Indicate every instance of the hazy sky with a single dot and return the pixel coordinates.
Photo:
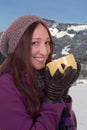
(64, 11)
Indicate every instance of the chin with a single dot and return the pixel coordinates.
(39, 68)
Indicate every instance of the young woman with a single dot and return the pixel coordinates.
(30, 98)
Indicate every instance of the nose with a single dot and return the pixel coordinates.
(43, 49)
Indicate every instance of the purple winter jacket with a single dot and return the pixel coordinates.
(13, 114)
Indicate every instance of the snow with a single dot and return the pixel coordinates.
(79, 96)
(59, 34)
(55, 32)
(78, 27)
(65, 50)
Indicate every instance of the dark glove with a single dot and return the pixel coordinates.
(58, 84)
(65, 94)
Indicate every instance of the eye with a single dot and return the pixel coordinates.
(48, 42)
(35, 43)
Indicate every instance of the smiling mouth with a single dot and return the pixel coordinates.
(40, 58)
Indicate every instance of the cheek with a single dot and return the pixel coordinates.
(33, 50)
(49, 50)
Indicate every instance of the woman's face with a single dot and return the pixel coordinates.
(40, 48)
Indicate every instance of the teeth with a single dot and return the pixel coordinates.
(40, 58)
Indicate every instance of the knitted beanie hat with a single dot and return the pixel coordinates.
(10, 38)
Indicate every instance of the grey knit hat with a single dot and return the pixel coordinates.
(10, 38)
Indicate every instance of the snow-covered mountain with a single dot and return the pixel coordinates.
(69, 38)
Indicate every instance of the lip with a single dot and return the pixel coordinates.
(39, 60)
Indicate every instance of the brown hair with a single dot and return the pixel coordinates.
(20, 63)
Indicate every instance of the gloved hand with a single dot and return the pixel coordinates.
(57, 85)
(65, 94)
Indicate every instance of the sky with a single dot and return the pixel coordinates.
(61, 11)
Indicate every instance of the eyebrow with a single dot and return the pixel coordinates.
(40, 38)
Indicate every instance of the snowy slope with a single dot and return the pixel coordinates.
(59, 34)
(79, 95)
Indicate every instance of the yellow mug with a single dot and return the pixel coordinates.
(68, 60)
